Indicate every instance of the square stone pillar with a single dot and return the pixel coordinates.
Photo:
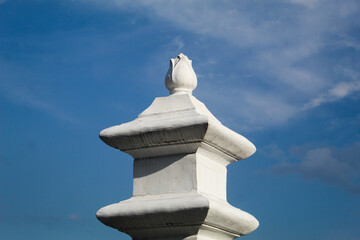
(180, 155)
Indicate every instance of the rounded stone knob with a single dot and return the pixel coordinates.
(180, 77)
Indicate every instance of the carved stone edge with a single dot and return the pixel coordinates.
(141, 216)
(161, 133)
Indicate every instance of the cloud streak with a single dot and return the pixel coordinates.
(284, 47)
(26, 98)
(340, 91)
(335, 166)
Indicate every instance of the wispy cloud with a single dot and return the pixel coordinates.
(51, 219)
(254, 109)
(74, 217)
(179, 43)
(24, 97)
(307, 3)
(341, 90)
(285, 47)
(335, 166)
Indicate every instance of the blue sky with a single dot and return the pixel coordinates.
(285, 74)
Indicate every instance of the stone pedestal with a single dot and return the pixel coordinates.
(180, 155)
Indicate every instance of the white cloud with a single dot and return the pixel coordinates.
(243, 108)
(74, 217)
(285, 43)
(335, 166)
(349, 42)
(341, 90)
(25, 97)
(179, 43)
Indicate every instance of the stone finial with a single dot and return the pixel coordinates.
(180, 77)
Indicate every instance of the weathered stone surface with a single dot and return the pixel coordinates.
(177, 215)
(176, 124)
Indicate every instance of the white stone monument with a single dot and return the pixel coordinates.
(180, 155)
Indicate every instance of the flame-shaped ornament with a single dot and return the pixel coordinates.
(180, 77)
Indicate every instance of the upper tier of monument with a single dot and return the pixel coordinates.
(180, 155)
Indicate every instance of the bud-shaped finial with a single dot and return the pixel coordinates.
(180, 77)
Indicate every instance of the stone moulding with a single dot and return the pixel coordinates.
(178, 120)
(180, 215)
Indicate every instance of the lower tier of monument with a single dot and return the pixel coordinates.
(190, 216)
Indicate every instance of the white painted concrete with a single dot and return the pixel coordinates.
(180, 155)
